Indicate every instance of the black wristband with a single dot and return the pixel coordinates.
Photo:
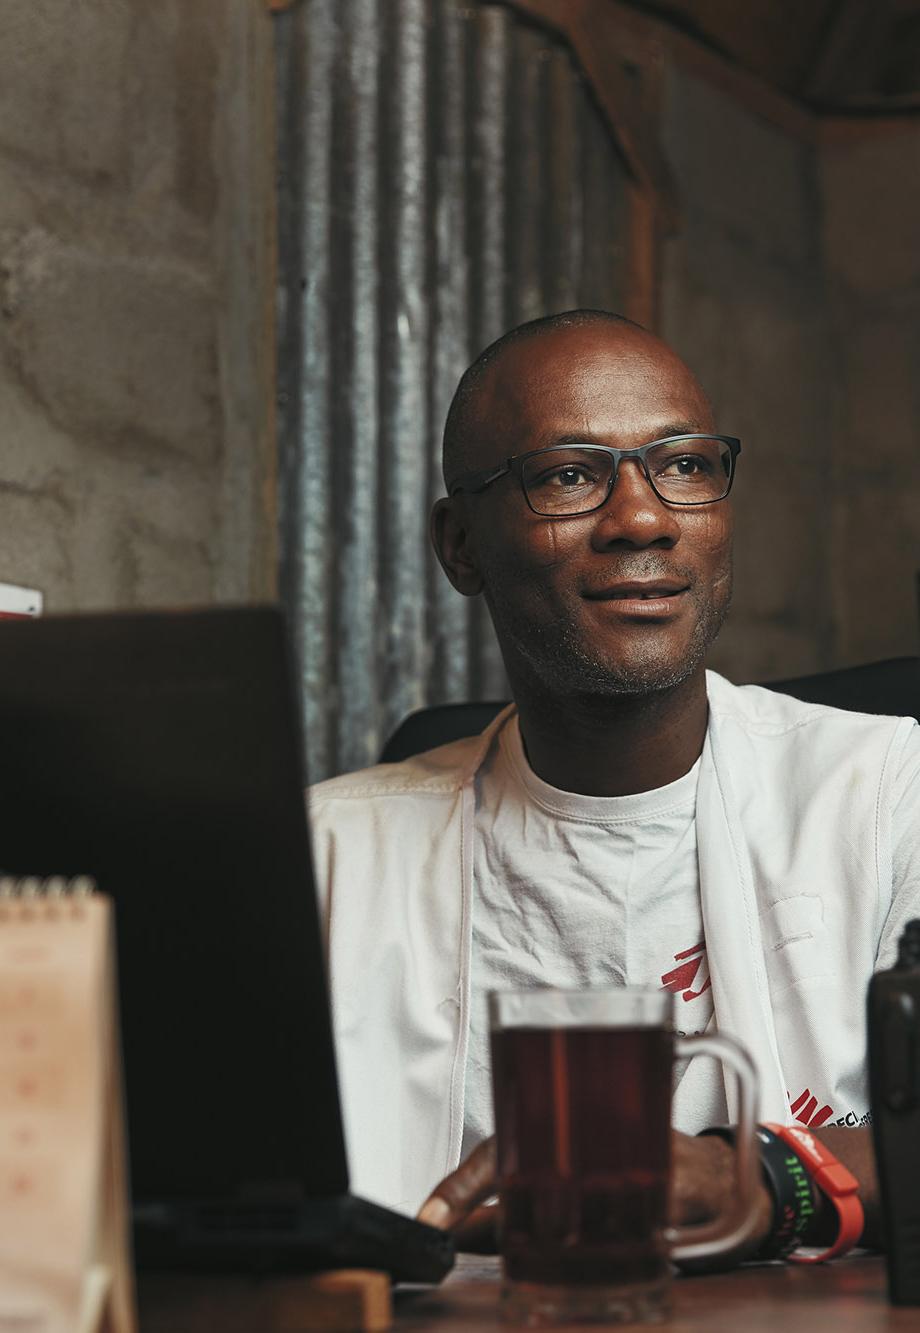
(789, 1186)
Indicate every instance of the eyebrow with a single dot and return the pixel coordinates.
(672, 428)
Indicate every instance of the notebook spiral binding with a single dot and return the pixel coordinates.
(52, 887)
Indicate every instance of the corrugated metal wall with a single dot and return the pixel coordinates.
(444, 175)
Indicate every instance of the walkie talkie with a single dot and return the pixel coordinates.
(894, 1089)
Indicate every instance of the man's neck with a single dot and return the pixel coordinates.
(615, 747)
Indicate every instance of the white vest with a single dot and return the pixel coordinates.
(794, 852)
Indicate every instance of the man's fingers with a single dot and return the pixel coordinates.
(702, 1178)
(460, 1192)
(478, 1234)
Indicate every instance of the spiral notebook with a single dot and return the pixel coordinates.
(64, 1254)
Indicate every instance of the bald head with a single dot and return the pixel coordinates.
(504, 373)
(583, 380)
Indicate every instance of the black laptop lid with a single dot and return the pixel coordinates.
(160, 753)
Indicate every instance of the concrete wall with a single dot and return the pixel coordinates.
(871, 231)
(793, 290)
(743, 302)
(135, 301)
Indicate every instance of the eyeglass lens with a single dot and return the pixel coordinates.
(571, 480)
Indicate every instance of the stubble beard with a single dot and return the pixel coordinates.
(559, 663)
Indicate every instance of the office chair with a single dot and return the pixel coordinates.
(891, 687)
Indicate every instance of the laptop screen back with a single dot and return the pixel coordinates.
(160, 753)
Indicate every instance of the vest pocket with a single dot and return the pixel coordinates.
(795, 941)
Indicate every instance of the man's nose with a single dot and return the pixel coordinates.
(633, 513)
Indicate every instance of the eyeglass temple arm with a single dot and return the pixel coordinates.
(478, 481)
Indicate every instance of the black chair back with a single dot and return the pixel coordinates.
(890, 687)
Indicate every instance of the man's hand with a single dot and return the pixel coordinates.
(454, 1205)
(702, 1188)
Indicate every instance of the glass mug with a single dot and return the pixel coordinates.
(582, 1085)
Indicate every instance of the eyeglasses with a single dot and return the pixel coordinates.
(578, 478)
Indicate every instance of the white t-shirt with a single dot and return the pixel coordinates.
(573, 890)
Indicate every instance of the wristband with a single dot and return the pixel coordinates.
(787, 1182)
(833, 1180)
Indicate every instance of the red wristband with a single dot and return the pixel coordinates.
(833, 1180)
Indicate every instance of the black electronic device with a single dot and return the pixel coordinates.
(894, 1083)
(161, 754)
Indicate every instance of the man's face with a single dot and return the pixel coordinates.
(574, 599)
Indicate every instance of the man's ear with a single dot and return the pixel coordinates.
(452, 542)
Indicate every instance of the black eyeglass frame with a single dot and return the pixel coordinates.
(474, 482)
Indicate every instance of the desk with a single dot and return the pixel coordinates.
(843, 1297)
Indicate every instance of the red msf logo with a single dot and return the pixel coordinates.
(692, 968)
(805, 1110)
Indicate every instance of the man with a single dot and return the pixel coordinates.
(630, 818)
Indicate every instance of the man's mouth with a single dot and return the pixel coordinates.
(637, 592)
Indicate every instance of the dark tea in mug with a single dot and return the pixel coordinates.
(582, 1091)
(582, 1118)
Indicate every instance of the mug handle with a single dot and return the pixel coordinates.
(725, 1233)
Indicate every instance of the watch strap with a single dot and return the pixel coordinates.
(834, 1181)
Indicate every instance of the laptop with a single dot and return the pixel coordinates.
(161, 754)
